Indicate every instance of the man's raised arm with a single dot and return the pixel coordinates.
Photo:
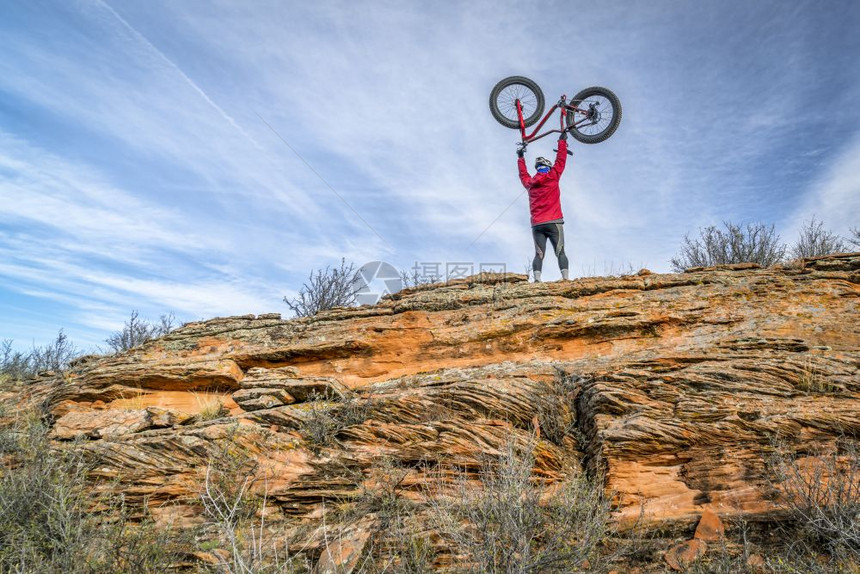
(561, 155)
(524, 172)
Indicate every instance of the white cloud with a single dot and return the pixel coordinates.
(834, 198)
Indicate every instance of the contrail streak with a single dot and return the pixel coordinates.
(188, 80)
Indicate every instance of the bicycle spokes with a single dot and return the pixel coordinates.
(508, 102)
(592, 116)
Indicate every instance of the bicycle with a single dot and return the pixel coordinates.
(590, 117)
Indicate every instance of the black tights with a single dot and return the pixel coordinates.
(555, 233)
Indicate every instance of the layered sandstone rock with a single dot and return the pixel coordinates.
(676, 386)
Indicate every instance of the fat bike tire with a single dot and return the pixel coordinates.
(503, 101)
(607, 107)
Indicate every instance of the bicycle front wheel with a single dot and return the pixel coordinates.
(503, 101)
(596, 115)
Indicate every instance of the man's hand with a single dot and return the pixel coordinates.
(563, 135)
(521, 149)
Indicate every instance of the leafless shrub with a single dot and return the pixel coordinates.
(137, 331)
(230, 471)
(404, 546)
(822, 494)
(328, 415)
(55, 356)
(248, 545)
(227, 509)
(14, 365)
(381, 494)
(245, 544)
(504, 526)
(815, 241)
(755, 243)
(45, 519)
(416, 279)
(415, 556)
(325, 289)
(399, 543)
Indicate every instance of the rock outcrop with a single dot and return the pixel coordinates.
(676, 386)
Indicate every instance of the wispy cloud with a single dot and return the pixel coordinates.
(833, 198)
(140, 37)
(135, 171)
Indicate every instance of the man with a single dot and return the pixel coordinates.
(545, 205)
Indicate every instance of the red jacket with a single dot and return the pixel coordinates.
(544, 194)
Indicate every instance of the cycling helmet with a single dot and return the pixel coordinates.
(542, 162)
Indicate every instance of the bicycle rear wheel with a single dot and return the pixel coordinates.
(596, 117)
(503, 101)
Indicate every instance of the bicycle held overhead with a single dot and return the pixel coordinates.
(591, 116)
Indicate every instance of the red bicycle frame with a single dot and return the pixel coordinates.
(564, 107)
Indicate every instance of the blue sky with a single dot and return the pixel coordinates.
(138, 169)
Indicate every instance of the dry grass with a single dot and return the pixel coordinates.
(133, 401)
(209, 408)
(812, 381)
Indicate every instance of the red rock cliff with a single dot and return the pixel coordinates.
(676, 385)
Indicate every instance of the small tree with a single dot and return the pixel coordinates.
(815, 241)
(755, 243)
(137, 331)
(325, 289)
